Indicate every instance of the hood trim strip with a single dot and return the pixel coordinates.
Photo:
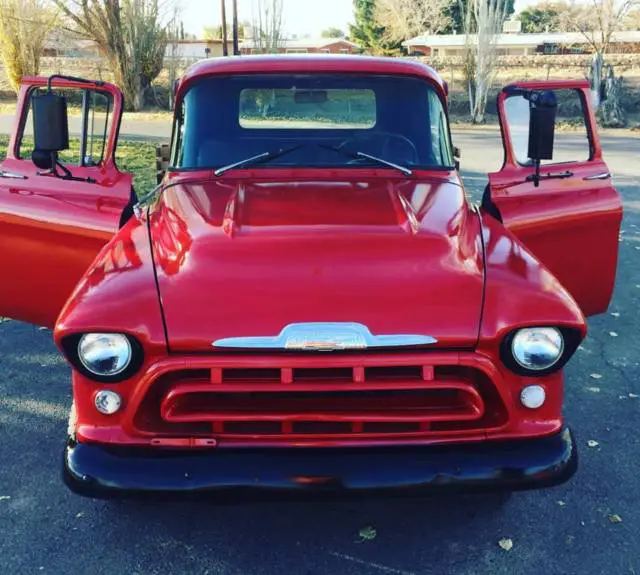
(324, 336)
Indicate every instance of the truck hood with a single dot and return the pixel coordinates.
(237, 258)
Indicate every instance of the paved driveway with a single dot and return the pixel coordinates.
(565, 530)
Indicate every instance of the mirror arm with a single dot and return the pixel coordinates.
(517, 91)
(85, 126)
(529, 95)
(535, 177)
(52, 170)
(72, 79)
(66, 173)
(55, 163)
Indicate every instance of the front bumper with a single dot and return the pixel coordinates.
(106, 472)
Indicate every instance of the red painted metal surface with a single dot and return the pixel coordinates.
(519, 290)
(198, 403)
(141, 423)
(572, 224)
(118, 294)
(251, 251)
(309, 63)
(51, 229)
(382, 250)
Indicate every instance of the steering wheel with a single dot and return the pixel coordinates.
(387, 137)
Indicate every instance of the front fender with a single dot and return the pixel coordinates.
(519, 290)
(118, 293)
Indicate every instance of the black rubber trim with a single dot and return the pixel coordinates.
(127, 212)
(156, 282)
(478, 213)
(243, 474)
(488, 205)
(70, 348)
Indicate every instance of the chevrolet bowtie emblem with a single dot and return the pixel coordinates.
(325, 336)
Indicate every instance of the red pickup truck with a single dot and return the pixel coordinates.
(308, 303)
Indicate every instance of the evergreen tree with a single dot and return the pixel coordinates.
(544, 17)
(366, 31)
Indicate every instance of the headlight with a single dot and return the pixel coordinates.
(105, 354)
(537, 348)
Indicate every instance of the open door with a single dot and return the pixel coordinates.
(566, 211)
(53, 222)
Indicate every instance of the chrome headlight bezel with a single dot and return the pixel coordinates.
(72, 347)
(532, 341)
(569, 340)
(101, 346)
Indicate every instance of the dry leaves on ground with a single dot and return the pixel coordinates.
(367, 533)
(506, 544)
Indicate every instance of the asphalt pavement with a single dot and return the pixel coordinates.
(588, 526)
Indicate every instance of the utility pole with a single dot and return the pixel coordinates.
(236, 49)
(225, 51)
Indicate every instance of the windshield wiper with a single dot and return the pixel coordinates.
(360, 155)
(258, 159)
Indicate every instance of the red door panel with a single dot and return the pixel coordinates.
(51, 229)
(571, 223)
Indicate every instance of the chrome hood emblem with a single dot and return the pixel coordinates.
(324, 336)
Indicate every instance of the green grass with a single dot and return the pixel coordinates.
(139, 158)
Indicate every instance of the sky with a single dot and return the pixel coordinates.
(300, 17)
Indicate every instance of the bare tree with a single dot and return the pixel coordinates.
(612, 113)
(174, 33)
(632, 20)
(267, 26)
(132, 34)
(598, 21)
(485, 18)
(403, 19)
(24, 28)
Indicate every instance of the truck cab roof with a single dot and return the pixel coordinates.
(309, 63)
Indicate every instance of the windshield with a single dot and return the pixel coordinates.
(322, 120)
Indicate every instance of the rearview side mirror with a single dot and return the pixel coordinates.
(50, 122)
(457, 154)
(542, 123)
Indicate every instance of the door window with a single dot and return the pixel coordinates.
(571, 139)
(90, 116)
(440, 142)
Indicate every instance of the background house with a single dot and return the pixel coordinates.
(61, 45)
(198, 49)
(519, 44)
(306, 46)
